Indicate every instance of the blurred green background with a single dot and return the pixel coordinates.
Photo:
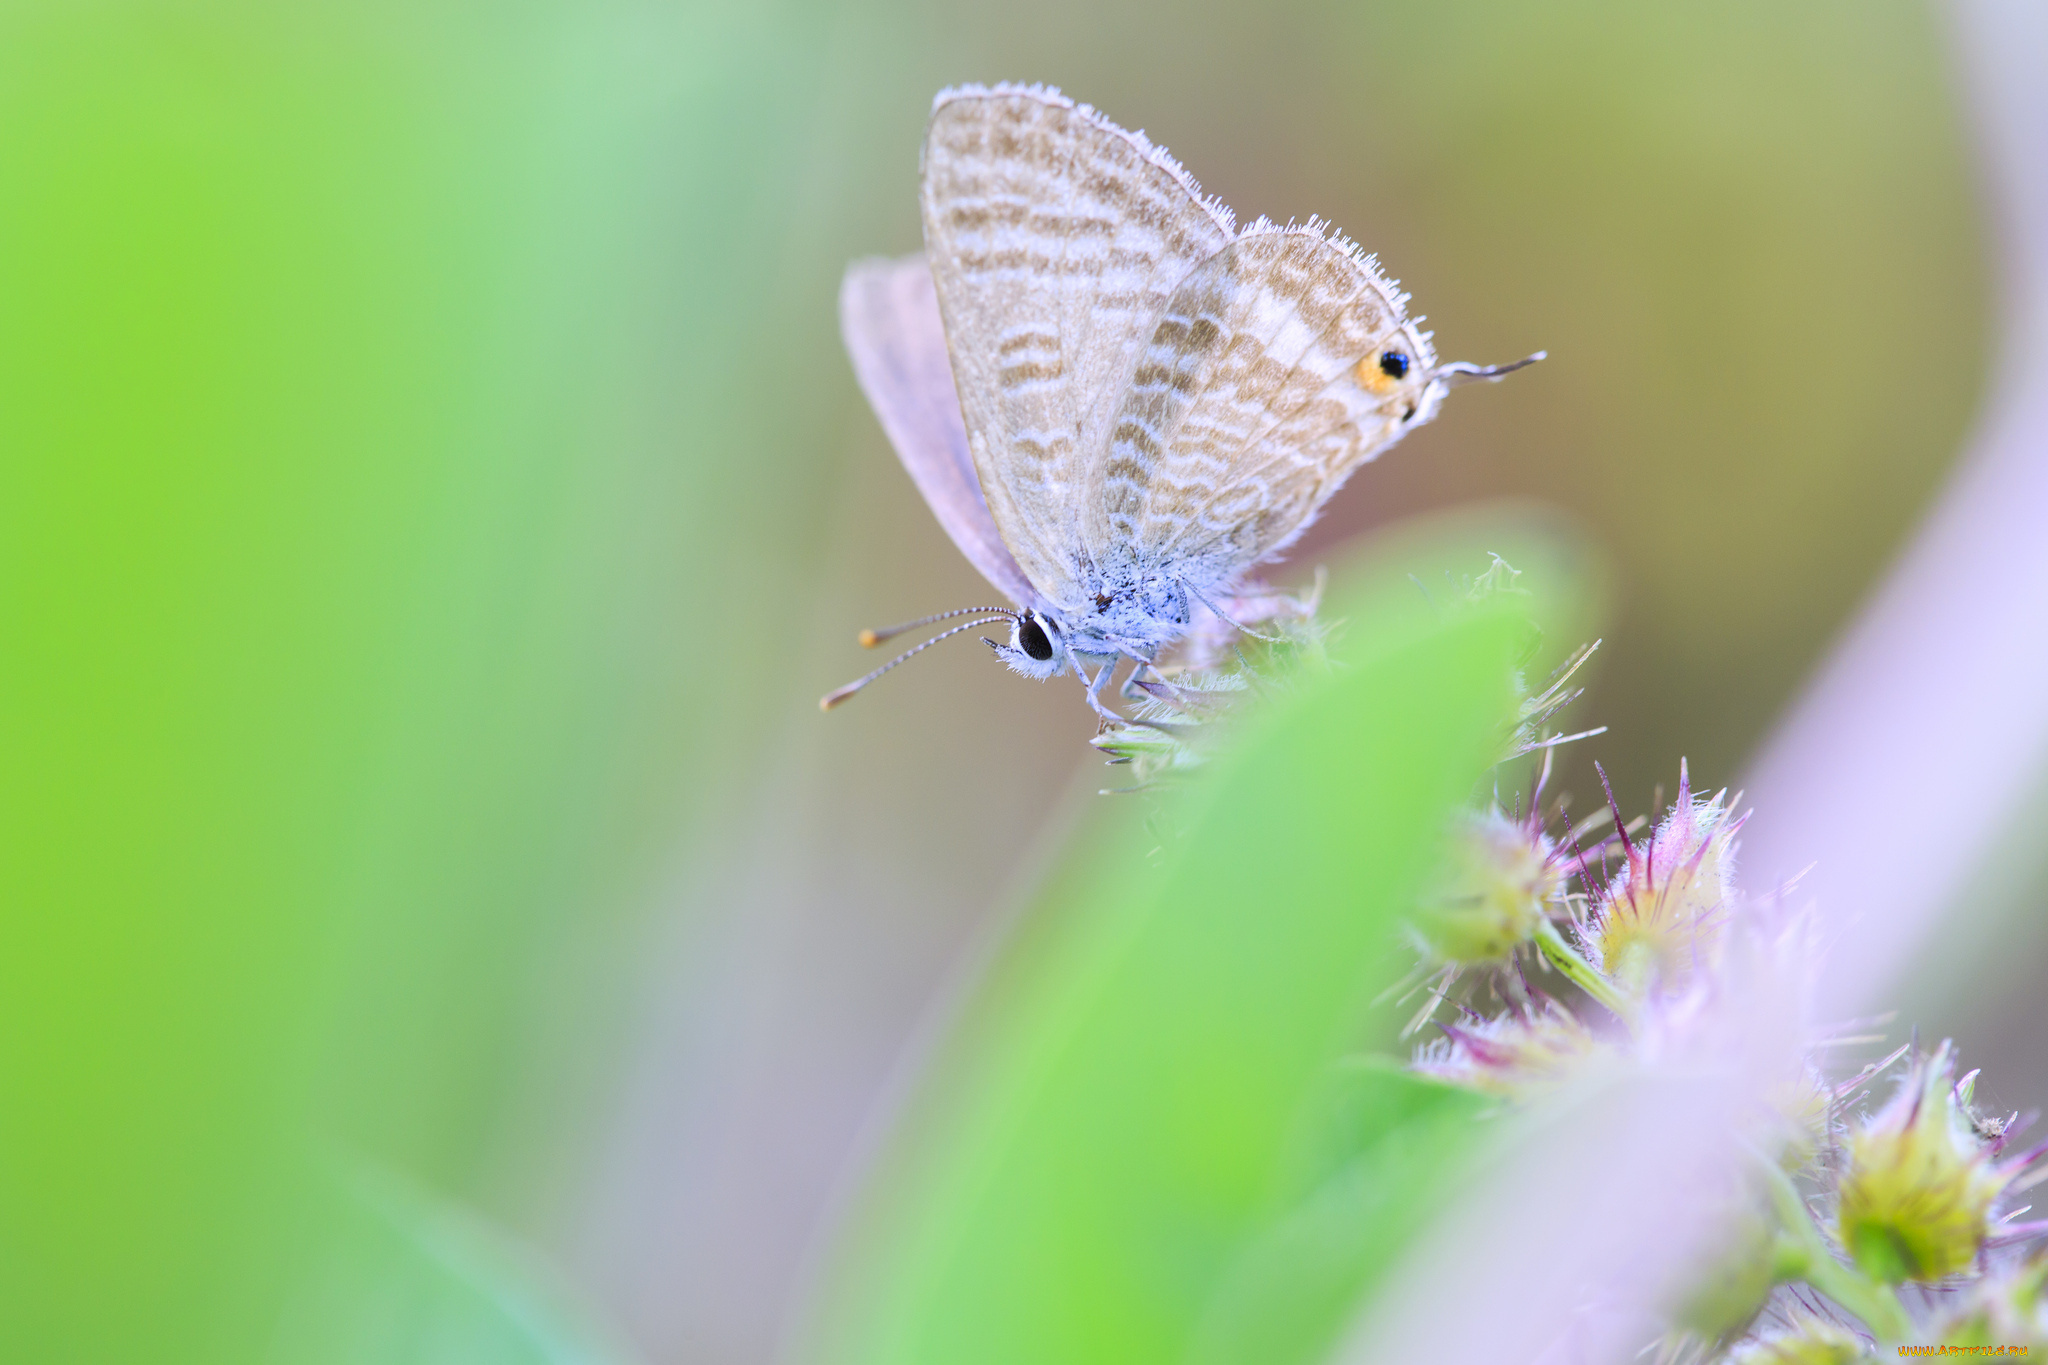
(432, 497)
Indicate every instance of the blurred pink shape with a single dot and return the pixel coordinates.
(1912, 746)
(1891, 776)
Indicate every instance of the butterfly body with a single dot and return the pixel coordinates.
(1149, 399)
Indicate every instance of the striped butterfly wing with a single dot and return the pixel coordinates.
(1249, 408)
(889, 316)
(1055, 238)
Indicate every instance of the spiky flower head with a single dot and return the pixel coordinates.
(1801, 1109)
(1660, 921)
(1916, 1193)
(1504, 878)
(1812, 1342)
(1514, 1055)
(2007, 1310)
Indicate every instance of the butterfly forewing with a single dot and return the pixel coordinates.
(1247, 409)
(889, 317)
(1056, 240)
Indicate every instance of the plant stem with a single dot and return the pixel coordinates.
(1801, 1253)
(1580, 972)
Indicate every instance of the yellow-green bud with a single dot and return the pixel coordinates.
(1515, 1055)
(1812, 1343)
(1738, 1281)
(1504, 876)
(1800, 1111)
(2009, 1310)
(1916, 1194)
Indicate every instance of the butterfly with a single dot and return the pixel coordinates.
(1114, 399)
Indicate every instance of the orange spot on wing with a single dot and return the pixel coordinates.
(1372, 378)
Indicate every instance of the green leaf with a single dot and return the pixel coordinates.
(410, 1279)
(1296, 1285)
(365, 498)
(1122, 1127)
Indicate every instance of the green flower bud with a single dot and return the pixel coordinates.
(1800, 1114)
(1812, 1343)
(1737, 1283)
(1514, 1055)
(1916, 1194)
(1504, 877)
(2008, 1310)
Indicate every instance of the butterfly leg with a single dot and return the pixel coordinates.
(1134, 690)
(1095, 686)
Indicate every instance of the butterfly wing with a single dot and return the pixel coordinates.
(1055, 238)
(889, 317)
(1248, 410)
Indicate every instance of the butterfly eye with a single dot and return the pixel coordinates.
(1394, 364)
(1031, 639)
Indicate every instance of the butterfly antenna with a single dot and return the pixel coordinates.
(870, 638)
(1460, 372)
(832, 699)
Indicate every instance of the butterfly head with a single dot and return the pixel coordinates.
(1034, 649)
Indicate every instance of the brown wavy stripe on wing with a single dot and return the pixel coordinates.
(1056, 238)
(1246, 411)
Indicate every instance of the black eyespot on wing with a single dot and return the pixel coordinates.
(1031, 637)
(1394, 364)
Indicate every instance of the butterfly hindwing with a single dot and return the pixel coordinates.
(889, 316)
(1056, 239)
(1248, 407)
